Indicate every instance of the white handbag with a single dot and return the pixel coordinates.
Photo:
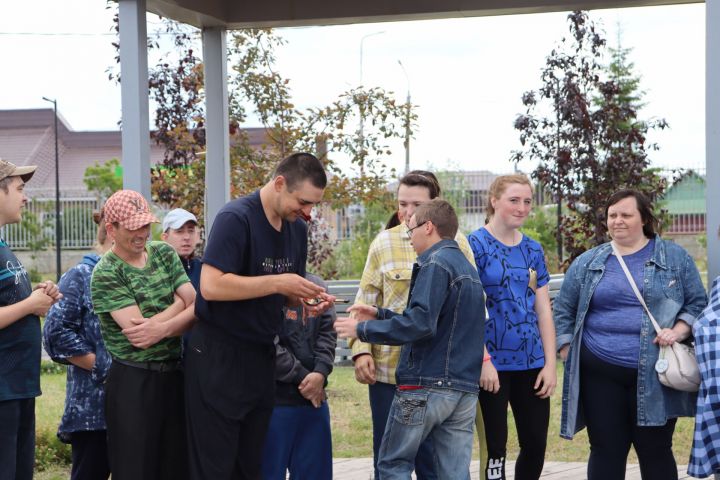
(676, 365)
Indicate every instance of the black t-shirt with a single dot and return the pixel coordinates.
(243, 242)
(20, 341)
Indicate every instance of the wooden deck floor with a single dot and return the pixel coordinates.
(361, 468)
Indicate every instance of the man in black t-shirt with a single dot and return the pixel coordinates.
(253, 265)
(20, 306)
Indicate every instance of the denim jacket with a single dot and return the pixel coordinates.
(672, 291)
(442, 327)
(72, 329)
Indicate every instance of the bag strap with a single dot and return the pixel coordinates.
(634, 287)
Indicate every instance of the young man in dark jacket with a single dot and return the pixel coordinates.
(441, 331)
(299, 436)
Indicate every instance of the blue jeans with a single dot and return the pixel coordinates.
(445, 416)
(381, 399)
(17, 439)
(298, 440)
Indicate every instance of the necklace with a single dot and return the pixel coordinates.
(512, 240)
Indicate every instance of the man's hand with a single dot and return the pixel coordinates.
(293, 285)
(489, 380)
(50, 290)
(363, 312)
(317, 310)
(311, 388)
(40, 302)
(145, 333)
(346, 327)
(365, 369)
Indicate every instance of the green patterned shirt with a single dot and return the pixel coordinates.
(116, 285)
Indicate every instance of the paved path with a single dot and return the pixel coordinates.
(360, 468)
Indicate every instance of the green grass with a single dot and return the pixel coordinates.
(351, 426)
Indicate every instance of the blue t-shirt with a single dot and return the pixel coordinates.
(20, 342)
(512, 335)
(243, 242)
(613, 322)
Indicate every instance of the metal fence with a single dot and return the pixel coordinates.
(37, 229)
(685, 202)
(468, 191)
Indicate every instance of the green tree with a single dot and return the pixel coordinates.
(177, 92)
(103, 180)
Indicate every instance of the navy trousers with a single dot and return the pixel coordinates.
(298, 442)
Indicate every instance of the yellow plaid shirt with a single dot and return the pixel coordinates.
(386, 283)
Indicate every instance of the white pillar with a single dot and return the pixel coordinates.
(217, 160)
(712, 135)
(134, 90)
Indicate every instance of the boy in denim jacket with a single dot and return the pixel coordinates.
(441, 331)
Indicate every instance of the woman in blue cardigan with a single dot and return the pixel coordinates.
(610, 347)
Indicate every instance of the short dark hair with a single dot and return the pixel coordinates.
(299, 167)
(422, 178)
(441, 214)
(644, 206)
(5, 184)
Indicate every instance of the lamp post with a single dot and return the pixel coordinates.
(407, 120)
(362, 107)
(58, 224)
(362, 41)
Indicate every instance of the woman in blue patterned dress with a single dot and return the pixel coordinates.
(72, 336)
(519, 364)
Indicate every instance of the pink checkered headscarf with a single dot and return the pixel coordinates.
(129, 209)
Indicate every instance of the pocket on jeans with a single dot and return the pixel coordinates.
(410, 407)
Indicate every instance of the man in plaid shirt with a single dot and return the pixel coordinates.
(386, 283)
(705, 456)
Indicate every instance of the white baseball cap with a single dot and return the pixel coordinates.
(176, 218)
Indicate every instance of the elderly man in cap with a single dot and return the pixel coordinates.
(20, 344)
(181, 231)
(145, 302)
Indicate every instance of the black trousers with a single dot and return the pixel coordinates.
(90, 456)
(532, 416)
(145, 416)
(230, 394)
(609, 400)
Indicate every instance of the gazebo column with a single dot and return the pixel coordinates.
(134, 91)
(217, 160)
(712, 136)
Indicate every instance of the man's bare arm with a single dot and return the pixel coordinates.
(145, 332)
(220, 286)
(38, 303)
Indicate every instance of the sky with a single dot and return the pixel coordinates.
(467, 75)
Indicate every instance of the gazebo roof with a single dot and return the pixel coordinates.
(234, 14)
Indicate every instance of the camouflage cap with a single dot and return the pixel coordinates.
(8, 169)
(129, 209)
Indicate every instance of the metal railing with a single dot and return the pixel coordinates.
(36, 231)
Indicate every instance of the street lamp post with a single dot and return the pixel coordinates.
(58, 224)
(362, 41)
(362, 107)
(407, 120)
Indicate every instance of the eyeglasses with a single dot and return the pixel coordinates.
(410, 230)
